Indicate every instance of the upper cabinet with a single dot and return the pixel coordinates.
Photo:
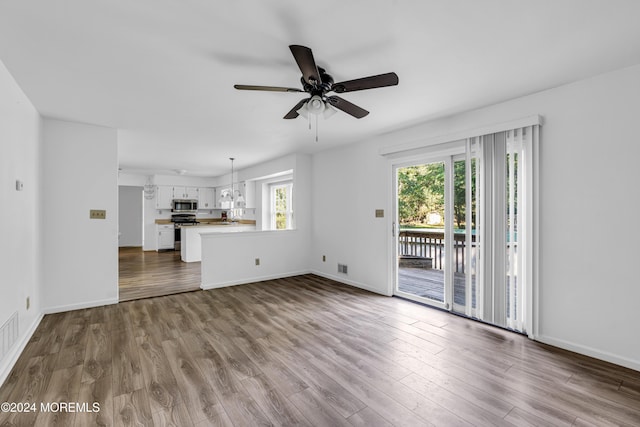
(166, 193)
(185, 193)
(249, 193)
(164, 196)
(206, 198)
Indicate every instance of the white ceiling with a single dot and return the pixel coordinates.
(162, 71)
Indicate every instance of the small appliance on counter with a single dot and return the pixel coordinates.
(181, 220)
(223, 216)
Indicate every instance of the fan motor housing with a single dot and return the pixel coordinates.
(318, 88)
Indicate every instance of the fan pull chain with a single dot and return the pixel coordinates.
(316, 128)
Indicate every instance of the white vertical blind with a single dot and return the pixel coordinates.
(468, 219)
(514, 145)
(504, 235)
(481, 226)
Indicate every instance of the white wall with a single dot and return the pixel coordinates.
(20, 253)
(229, 258)
(588, 243)
(129, 216)
(349, 184)
(81, 255)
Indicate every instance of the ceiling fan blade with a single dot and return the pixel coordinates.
(294, 111)
(306, 63)
(347, 107)
(381, 80)
(267, 88)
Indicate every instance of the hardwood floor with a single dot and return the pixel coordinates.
(145, 274)
(305, 351)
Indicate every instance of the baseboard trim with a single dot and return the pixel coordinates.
(207, 286)
(345, 281)
(79, 306)
(13, 357)
(591, 352)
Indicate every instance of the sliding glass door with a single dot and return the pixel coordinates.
(463, 229)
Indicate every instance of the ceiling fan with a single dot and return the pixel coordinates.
(317, 83)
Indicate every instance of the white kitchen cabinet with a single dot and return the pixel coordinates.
(165, 236)
(249, 193)
(164, 196)
(206, 198)
(191, 193)
(180, 192)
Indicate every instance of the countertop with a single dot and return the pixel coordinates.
(207, 222)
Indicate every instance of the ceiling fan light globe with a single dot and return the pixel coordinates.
(315, 105)
(328, 111)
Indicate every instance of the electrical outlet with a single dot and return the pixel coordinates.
(324, 258)
(379, 213)
(28, 303)
(257, 261)
(97, 214)
(342, 268)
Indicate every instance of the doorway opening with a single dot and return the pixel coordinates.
(146, 274)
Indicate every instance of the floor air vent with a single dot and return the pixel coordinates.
(8, 335)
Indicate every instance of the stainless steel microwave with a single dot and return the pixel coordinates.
(184, 205)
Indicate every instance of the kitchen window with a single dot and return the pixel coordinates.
(281, 205)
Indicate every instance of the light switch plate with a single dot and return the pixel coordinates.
(19, 185)
(97, 214)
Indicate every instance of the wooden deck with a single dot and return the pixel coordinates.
(429, 283)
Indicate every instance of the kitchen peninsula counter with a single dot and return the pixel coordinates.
(191, 243)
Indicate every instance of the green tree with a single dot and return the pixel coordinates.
(420, 192)
(459, 191)
(281, 208)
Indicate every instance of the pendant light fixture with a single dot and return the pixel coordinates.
(232, 199)
(149, 189)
